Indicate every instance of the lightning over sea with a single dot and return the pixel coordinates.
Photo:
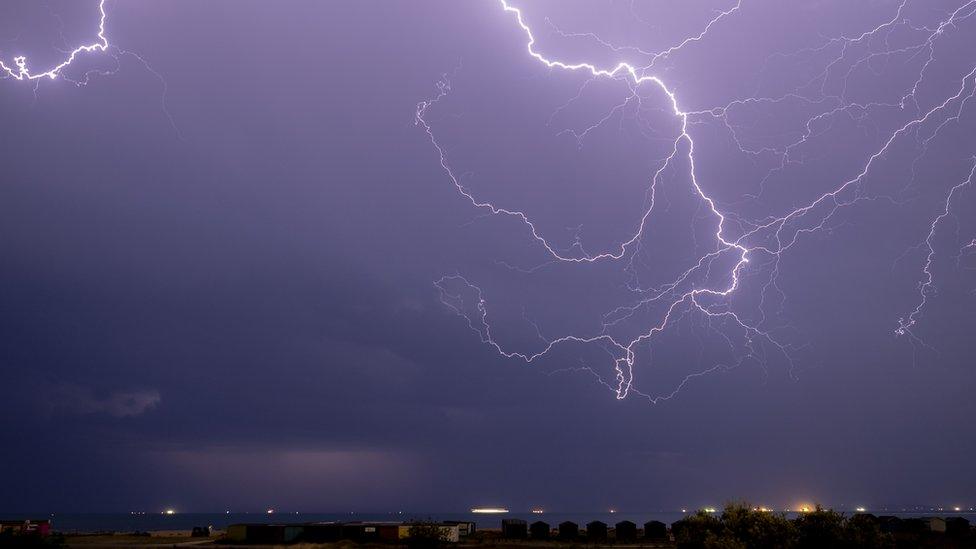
(733, 186)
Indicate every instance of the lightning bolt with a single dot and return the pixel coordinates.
(20, 71)
(736, 238)
(739, 246)
(926, 288)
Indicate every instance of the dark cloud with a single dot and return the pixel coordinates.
(246, 315)
(82, 400)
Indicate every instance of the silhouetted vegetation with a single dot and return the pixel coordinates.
(426, 535)
(740, 526)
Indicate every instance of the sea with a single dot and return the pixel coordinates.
(156, 521)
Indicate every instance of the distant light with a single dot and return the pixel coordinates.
(709, 509)
(226, 512)
(538, 511)
(860, 509)
(270, 511)
(684, 510)
(489, 510)
(764, 509)
(612, 511)
(169, 512)
(957, 509)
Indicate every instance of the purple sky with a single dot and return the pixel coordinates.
(236, 275)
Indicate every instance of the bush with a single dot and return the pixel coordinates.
(693, 531)
(820, 528)
(758, 529)
(740, 526)
(426, 535)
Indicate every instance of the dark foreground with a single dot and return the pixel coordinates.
(737, 526)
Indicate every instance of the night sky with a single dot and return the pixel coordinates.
(235, 273)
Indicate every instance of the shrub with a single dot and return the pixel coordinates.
(426, 535)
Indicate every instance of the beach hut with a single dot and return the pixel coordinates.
(889, 524)
(957, 526)
(625, 530)
(360, 531)
(514, 529)
(322, 532)
(236, 533)
(596, 531)
(465, 527)
(256, 533)
(265, 533)
(293, 533)
(568, 531)
(390, 531)
(371, 531)
(539, 530)
(914, 526)
(655, 529)
(448, 531)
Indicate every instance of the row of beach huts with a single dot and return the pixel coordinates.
(517, 529)
(450, 531)
(596, 530)
(324, 532)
